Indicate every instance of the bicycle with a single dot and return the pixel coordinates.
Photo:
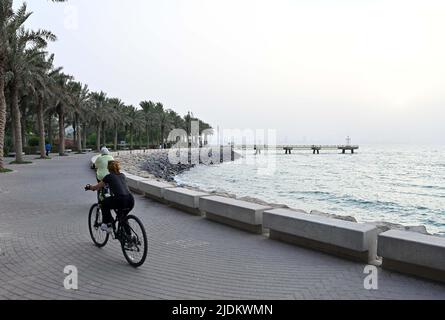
(134, 244)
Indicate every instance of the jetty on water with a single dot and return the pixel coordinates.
(314, 148)
(317, 148)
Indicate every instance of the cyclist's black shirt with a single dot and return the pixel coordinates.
(117, 184)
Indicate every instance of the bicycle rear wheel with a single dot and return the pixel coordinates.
(135, 244)
(99, 237)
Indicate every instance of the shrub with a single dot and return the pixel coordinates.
(8, 145)
(33, 141)
(91, 140)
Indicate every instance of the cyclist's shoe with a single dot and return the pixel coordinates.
(106, 228)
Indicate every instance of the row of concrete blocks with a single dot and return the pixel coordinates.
(402, 251)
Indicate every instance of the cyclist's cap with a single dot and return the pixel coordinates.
(104, 150)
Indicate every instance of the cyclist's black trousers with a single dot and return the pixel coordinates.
(116, 202)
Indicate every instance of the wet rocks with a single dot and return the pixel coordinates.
(384, 226)
(335, 216)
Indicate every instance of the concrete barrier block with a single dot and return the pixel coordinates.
(133, 182)
(185, 199)
(350, 240)
(154, 189)
(413, 253)
(240, 214)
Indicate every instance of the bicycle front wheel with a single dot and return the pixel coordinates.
(99, 237)
(134, 242)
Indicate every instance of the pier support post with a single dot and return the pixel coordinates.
(221, 154)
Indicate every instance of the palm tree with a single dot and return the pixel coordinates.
(117, 111)
(136, 122)
(162, 118)
(148, 109)
(23, 47)
(174, 121)
(61, 103)
(108, 117)
(80, 102)
(99, 101)
(6, 15)
(39, 81)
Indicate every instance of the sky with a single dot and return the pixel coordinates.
(316, 71)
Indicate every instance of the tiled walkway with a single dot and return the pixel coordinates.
(43, 228)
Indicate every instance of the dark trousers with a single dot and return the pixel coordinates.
(116, 203)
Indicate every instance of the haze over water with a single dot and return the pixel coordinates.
(398, 184)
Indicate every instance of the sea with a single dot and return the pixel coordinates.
(403, 184)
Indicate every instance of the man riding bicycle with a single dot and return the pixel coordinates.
(101, 163)
(121, 197)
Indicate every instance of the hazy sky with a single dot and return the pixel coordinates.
(315, 70)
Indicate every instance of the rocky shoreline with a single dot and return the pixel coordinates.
(154, 164)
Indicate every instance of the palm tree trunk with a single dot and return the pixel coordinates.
(50, 128)
(98, 137)
(61, 130)
(2, 112)
(131, 138)
(74, 131)
(41, 125)
(11, 123)
(104, 135)
(84, 140)
(148, 136)
(16, 122)
(23, 125)
(115, 136)
(78, 134)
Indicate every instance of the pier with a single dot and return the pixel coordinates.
(314, 148)
(317, 148)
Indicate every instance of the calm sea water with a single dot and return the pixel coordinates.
(399, 184)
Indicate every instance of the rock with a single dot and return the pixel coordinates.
(261, 202)
(384, 226)
(335, 216)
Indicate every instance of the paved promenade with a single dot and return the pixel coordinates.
(43, 228)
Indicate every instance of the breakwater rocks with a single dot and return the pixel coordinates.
(160, 166)
(156, 164)
(153, 164)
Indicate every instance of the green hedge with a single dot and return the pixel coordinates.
(33, 141)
